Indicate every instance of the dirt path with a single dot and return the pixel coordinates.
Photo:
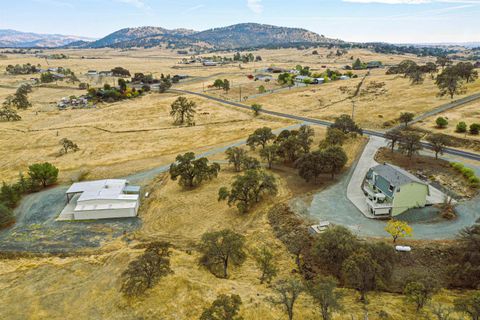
(37, 231)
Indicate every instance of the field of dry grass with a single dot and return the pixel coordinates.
(469, 114)
(120, 138)
(382, 98)
(52, 287)
(129, 136)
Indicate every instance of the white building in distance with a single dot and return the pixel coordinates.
(101, 199)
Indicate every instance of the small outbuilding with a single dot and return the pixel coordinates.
(101, 199)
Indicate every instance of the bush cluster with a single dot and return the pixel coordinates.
(467, 173)
(40, 175)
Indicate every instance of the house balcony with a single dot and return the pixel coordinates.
(379, 205)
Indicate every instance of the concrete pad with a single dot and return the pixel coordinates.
(366, 161)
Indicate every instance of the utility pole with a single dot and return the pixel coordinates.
(240, 93)
(353, 109)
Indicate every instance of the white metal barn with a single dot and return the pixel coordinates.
(101, 199)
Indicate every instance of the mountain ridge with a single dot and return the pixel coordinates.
(19, 39)
(236, 36)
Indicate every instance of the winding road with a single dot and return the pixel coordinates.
(453, 151)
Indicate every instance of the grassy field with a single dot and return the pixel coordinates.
(52, 287)
(120, 138)
(469, 114)
(134, 135)
(382, 99)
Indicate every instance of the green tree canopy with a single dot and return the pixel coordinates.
(191, 171)
(346, 124)
(469, 305)
(223, 308)
(287, 292)
(450, 82)
(43, 174)
(438, 143)
(248, 189)
(333, 247)
(269, 154)
(6, 216)
(221, 248)
(145, 271)
(410, 144)
(260, 137)
(183, 111)
(406, 117)
(420, 291)
(265, 260)
(324, 292)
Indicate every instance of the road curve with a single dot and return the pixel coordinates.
(457, 152)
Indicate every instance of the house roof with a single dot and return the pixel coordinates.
(111, 189)
(396, 176)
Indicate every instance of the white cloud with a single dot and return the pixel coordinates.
(136, 3)
(255, 5)
(194, 8)
(414, 1)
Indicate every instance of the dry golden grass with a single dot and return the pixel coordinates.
(120, 138)
(53, 287)
(129, 136)
(469, 114)
(372, 108)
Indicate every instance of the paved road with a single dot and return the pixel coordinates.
(456, 152)
(366, 161)
(443, 108)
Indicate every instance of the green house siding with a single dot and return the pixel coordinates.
(384, 186)
(412, 195)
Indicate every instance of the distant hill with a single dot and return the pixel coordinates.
(131, 36)
(17, 39)
(255, 35)
(245, 35)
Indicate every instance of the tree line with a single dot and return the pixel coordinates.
(39, 176)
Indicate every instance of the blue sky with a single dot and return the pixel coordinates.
(398, 21)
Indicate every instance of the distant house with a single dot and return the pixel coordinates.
(303, 79)
(263, 77)
(181, 76)
(209, 63)
(101, 199)
(318, 80)
(92, 73)
(344, 77)
(390, 190)
(105, 73)
(374, 64)
(58, 76)
(275, 70)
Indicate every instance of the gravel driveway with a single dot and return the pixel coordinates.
(333, 205)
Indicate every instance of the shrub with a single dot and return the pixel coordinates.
(467, 173)
(474, 181)
(475, 128)
(6, 216)
(441, 122)
(456, 165)
(144, 272)
(43, 174)
(461, 127)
